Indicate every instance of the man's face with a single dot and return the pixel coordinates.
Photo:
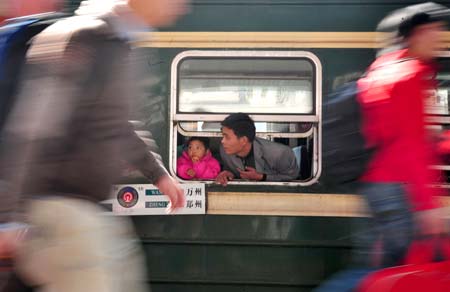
(426, 40)
(158, 13)
(17, 8)
(231, 143)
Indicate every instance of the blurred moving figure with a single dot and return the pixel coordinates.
(15, 35)
(63, 144)
(396, 183)
(18, 8)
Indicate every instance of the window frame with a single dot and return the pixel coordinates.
(315, 118)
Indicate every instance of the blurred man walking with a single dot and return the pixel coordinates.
(64, 142)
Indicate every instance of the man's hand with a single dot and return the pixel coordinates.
(250, 173)
(170, 187)
(430, 222)
(190, 172)
(224, 177)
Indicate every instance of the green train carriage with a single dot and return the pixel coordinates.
(286, 236)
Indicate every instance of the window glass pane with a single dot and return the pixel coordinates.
(437, 101)
(251, 85)
(261, 127)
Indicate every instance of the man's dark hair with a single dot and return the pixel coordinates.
(203, 140)
(241, 124)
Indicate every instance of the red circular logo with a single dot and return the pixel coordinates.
(127, 197)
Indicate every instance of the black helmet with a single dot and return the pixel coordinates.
(399, 24)
(402, 21)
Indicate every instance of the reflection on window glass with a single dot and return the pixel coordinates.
(437, 101)
(226, 85)
(261, 127)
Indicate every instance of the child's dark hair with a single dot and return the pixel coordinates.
(241, 124)
(204, 140)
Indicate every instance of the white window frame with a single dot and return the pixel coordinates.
(315, 118)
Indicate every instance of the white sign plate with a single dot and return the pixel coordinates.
(145, 199)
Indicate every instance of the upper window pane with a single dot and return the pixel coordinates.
(437, 101)
(251, 85)
(261, 127)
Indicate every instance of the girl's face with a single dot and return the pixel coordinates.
(196, 150)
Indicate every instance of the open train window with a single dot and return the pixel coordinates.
(280, 90)
(437, 108)
(437, 103)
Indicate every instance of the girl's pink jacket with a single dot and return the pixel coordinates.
(207, 168)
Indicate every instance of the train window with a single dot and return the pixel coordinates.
(261, 127)
(280, 90)
(437, 101)
(437, 108)
(226, 85)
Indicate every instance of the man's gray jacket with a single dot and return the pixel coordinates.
(276, 160)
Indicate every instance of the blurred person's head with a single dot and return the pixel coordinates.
(154, 13)
(158, 13)
(238, 131)
(416, 27)
(18, 8)
(425, 40)
(197, 148)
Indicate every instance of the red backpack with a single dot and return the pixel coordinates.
(427, 268)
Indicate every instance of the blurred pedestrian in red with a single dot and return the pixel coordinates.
(398, 178)
(397, 181)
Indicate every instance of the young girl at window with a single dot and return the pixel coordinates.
(197, 161)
